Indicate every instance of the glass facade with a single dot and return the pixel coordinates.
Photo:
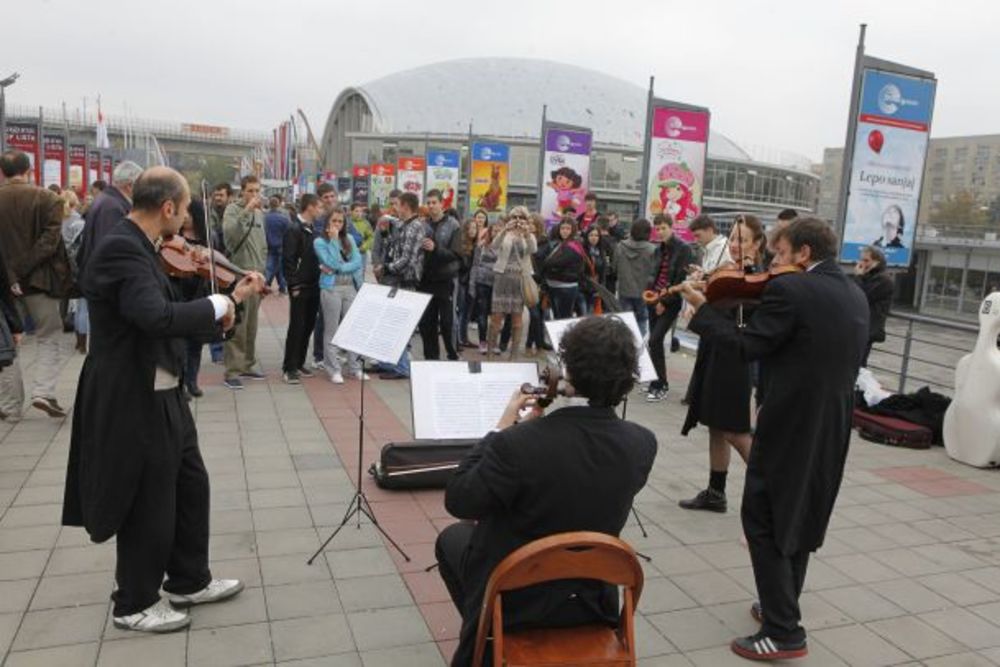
(958, 280)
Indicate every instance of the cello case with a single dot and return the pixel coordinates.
(972, 422)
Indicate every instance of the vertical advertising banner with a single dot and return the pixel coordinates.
(24, 137)
(383, 181)
(78, 168)
(489, 177)
(890, 146)
(442, 174)
(677, 148)
(106, 161)
(359, 184)
(344, 189)
(54, 162)
(565, 172)
(410, 175)
(93, 166)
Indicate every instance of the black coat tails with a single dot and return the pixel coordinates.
(809, 333)
(136, 325)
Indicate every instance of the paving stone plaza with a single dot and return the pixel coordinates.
(909, 574)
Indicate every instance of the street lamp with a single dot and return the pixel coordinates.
(9, 81)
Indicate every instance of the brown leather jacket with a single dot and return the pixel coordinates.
(31, 239)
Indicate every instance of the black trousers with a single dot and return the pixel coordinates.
(439, 318)
(450, 548)
(303, 303)
(166, 530)
(779, 577)
(661, 325)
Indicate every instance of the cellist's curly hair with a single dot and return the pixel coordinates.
(601, 359)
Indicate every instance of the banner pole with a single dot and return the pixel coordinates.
(852, 128)
(541, 159)
(468, 174)
(646, 146)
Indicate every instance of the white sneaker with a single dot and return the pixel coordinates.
(361, 375)
(216, 591)
(160, 617)
(316, 365)
(337, 378)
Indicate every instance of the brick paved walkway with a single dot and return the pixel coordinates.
(910, 573)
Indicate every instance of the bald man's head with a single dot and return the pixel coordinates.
(158, 185)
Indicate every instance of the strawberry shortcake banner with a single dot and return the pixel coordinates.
(677, 144)
(565, 174)
(382, 181)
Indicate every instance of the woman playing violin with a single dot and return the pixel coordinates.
(721, 384)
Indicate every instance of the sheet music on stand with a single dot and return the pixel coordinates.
(647, 372)
(463, 400)
(381, 321)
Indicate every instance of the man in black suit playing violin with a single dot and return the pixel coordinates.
(810, 330)
(135, 471)
(577, 468)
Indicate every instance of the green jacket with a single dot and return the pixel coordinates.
(243, 232)
(367, 235)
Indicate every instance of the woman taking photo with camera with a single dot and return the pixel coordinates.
(514, 243)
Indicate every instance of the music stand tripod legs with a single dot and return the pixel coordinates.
(359, 503)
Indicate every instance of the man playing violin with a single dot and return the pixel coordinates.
(810, 330)
(577, 468)
(135, 470)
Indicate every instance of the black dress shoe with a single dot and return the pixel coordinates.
(709, 499)
(195, 390)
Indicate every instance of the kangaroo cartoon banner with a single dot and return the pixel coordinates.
(890, 146)
(565, 174)
(677, 144)
(489, 177)
(410, 175)
(442, 174)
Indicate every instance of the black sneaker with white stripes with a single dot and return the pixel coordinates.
(762, 647)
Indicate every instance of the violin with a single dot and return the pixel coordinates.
(552, 385)
(738, 285)
(180, 259)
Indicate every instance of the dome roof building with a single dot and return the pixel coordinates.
(502, 98)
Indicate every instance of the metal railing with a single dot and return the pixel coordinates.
(922, 350)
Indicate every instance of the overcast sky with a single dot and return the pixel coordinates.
(775, 74)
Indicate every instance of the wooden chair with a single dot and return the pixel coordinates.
(578, 555)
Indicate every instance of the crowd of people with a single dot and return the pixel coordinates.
(143, 333)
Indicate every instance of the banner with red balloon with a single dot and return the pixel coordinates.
(890, 147)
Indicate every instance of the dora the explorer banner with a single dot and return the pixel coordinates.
(489, 177)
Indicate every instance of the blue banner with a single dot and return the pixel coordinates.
(490, 152)
(890, 147)
(445, 159)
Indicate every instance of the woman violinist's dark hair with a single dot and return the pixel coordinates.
(601, 360)
(197, 212)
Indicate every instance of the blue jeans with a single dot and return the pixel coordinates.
(563, 299)
(275, 269)
(637, 306)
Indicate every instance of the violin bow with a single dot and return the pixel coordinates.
(205, 203)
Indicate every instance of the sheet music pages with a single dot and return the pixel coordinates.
(647, 372)
(449, 402)
(378, 326)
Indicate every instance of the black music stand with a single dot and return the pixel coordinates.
(359, 502)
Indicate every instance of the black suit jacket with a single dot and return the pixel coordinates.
(137, 323)
(809, 332)
(107, 211)
(577, 468)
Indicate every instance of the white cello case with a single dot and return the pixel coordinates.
(972, 422)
